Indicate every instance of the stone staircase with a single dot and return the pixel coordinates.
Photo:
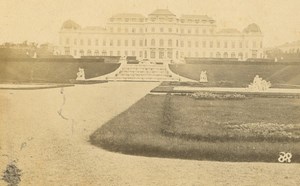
(143, 72)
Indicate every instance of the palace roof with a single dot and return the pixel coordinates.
(252, 28)
(162, 12)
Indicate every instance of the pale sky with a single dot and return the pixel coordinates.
(40, 20)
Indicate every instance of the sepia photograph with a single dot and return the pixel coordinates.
(149, 93)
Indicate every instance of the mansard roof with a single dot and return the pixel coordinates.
(165, 12)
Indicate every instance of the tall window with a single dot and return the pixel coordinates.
(211, 44)
(89, 52)
(96, 42)
(182, 43)
(67, 41)
(152, 53)
(161, 42)
(126, 42)
(133, 42)
(141, 54)
(89, 42)
(204, 44)
(81, 53)
(196, 44)
(104, 42)
(225, 44)
(96, 53)
(119, 42)
(225, 55)
(189, 44)
(232, 55)
(241, 44)
(161, 54)
(152, 42)
(162, 29)
(170, 53)
(81, 42)
(254, 44)
(170, 29)
(111, 42)
(75, 41)
(170, 43)
(218, 55)
(232, 44)
(141, 42)
(218, 44)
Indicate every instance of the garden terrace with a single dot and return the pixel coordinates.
(181, 127)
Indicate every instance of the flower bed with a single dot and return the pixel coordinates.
(264, 130)
(211, 96)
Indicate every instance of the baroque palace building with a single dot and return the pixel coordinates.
(162, 36)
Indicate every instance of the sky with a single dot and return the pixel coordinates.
(41, 20)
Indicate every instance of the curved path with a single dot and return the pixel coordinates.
(46, 132)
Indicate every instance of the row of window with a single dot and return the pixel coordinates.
(162, 54)
(162, 19)
(170, 43)
(162, 30)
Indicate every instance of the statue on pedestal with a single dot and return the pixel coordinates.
(259, 84)
(203, 77)
(80, 74)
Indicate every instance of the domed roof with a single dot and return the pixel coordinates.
(252, 28)
(69, 24)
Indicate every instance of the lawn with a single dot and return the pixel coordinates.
(220, 130)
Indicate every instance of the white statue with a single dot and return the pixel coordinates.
(259, 84)
(203, 77)
(80, 74)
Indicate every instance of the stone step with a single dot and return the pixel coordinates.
(142, 74)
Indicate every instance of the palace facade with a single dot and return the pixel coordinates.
(161, 36)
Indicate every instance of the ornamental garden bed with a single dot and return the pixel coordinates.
(173, 126)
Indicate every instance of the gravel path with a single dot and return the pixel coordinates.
(46, 132)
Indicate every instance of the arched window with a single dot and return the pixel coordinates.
(225, 55)
(240, 55)
(170, 43)
(81, 53)
(232, 55)
(153, 42)
(161, 42)
(104, 53)
(89, 52)
(218, 55)
(96, 53)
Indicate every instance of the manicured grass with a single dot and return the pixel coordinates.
(141, 130)
(241, 74)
